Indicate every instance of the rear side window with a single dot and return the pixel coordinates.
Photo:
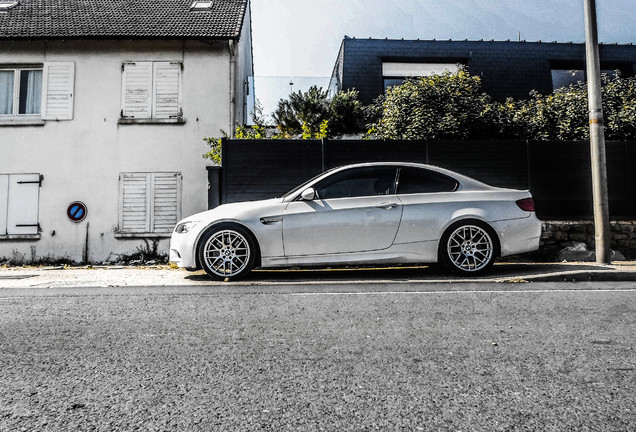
(418, 180)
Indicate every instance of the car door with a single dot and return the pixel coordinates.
(429, 199)
(355, 210)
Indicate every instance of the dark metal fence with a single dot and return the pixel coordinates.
(557, 173)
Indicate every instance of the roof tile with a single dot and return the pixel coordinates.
(138, 19)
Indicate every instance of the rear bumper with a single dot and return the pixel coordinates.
(518, 235)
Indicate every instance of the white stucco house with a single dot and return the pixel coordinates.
(103, 110)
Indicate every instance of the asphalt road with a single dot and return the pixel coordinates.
(461, 357)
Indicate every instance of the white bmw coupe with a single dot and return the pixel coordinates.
(372, 213)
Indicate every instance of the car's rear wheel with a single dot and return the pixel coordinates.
(468, 248)
(227, 251)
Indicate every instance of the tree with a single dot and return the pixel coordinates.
(312, 114)
(563, 115)
(450, 105)
(345, 113)
(619, 106)
(303, 110)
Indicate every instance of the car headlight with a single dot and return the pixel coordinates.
(185, 227)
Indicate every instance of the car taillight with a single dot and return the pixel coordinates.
(526, 204)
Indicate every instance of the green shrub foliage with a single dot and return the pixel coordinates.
(436, 106)
(452, 105)
(447, 106)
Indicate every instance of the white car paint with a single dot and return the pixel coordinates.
(392, 228)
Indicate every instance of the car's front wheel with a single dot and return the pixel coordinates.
(227, 251)
(468, 248)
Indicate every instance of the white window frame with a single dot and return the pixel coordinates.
(148, 204)
(17, 75)
(19, 205)
(144, 86)
(402, 69)
(398, 72)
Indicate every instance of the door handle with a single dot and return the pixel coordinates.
(387, 206)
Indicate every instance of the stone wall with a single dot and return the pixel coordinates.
(558, 235)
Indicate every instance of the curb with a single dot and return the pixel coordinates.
(586, 276)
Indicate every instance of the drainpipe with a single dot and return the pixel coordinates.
(232, 48)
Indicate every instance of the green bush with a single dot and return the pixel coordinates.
(453, 106)
(450, 105)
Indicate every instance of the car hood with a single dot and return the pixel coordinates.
(233, 211)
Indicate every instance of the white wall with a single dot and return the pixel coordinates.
(81, 159)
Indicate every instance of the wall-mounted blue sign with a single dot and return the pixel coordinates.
(76, 211)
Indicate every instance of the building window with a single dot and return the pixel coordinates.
(37, 92)
(394, 73)
(201, 5)
(19, 202)
(566, 77)
(6, 5)
(151, 90)
(149, 202)
(21, 91)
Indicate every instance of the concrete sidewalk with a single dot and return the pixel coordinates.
(158, 276)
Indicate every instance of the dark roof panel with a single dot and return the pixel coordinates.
(137, 19)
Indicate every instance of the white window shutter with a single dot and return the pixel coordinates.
(58, 87)
(134, 206)
(166, 201)
(167, 90)
(22, 209)
(137, 90)
(4, 202)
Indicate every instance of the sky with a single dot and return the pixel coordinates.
(302, 37)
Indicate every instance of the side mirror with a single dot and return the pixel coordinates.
(308, 194)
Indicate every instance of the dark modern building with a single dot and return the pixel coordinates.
(507, 68)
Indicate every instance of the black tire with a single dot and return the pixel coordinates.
(227, 252)
(468, 248)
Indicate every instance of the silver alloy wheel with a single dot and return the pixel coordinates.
(226, 253)
(470, 248)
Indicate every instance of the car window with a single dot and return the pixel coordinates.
(357, 182)
(418, 180)
(304, 185)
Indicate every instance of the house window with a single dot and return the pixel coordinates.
(151, 90)
(20, 91)
(201, 5)
(568, 77)
(394, 73)
(19, 202)
(5, 5)
(149, 203)
(43, 92)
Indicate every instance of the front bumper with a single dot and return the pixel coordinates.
(182, 249)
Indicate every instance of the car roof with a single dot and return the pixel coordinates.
(465, 181)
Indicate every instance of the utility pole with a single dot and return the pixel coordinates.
(597, 136)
